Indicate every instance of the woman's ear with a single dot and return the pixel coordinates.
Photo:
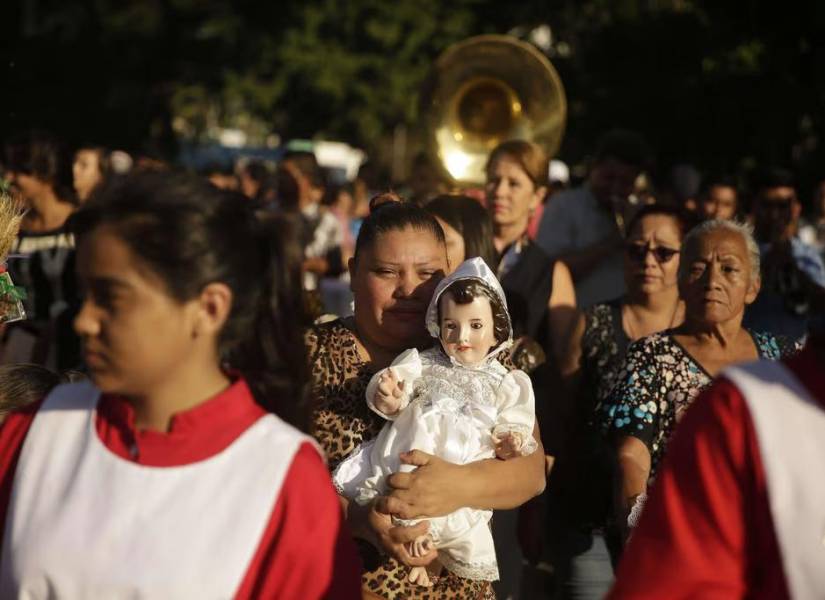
(538, 197)
(213, 307)
(753, 290)
(351, 270)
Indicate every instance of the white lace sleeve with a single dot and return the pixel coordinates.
(517, 412)
(407, 368)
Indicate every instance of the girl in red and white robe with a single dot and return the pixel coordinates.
(165, 478)
(739, 510)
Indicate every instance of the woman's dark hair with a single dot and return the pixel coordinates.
(23, 384)
(659, 210)
(192, 234)
(43, 156)
(471, 221)
(464, 291)
(395, 216)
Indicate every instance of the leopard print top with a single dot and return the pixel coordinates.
(341, 421)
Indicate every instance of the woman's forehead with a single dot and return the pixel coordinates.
(661, 226)
(719, 242)
(405, 243)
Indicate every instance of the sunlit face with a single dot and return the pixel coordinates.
(717, 284)
(455, 245)
(720, 203)
(392, 282)
(467, 332)
(651, 262)
(511, 194)
(86, 172)
(612, 181)
(135, 336)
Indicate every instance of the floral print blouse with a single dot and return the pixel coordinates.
(657, 382)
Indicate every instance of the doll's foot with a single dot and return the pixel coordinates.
(419, 575)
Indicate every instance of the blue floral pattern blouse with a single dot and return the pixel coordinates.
(657, 382)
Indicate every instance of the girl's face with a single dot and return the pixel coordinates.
(455, 245)
(135, 336)
(392, 283)
(467, 331)
(652, 255)
(511, 195)
(86, 172)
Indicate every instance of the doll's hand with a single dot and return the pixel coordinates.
(509, 445)
(389, 393)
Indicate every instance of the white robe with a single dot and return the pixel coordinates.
(451, 411)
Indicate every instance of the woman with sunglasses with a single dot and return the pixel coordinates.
(580, 505)
(663, 373)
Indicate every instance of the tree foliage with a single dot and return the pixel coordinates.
(711, 82)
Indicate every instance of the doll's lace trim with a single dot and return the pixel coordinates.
(485, 571)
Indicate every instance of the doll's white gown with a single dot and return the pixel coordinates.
(451, 411)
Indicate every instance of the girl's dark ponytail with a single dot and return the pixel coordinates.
(191, 234)
(271, 354)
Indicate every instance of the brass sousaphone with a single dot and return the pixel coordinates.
(486, 90)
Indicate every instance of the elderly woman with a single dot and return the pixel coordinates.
(664, 372)
(581, 505)
(400, 256)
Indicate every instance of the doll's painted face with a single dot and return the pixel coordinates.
(467, 331)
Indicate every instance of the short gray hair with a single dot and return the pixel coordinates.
(745, 230)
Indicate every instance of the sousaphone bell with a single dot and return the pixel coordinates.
(486, 90)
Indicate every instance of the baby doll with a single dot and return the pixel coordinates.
(455, 401)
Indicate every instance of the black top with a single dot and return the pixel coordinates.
(527, 285)
(44, 264)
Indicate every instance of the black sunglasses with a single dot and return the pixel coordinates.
(638, 253)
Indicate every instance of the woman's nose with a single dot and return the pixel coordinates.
(407, 284)
(713, 276)
(650, 258)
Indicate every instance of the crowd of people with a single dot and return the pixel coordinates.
(249, 382)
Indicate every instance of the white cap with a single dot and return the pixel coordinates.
(558, 172)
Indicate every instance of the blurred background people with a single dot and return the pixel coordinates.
(425, 181)
(221, 176)
(256, 182)
(558, 179)
(42, 260)
(89, 170)
(583, 226)
(812, 229)
(793, 274)
(719, 198)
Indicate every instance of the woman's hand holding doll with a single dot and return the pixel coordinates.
(373, 523)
